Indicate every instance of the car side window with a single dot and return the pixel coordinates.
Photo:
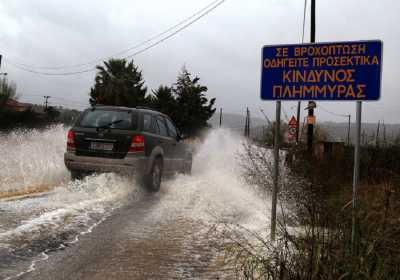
(162, 126)
(171, 129)
(147, 123)
(154, 126)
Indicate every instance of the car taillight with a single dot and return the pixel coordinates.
(71, 140)
(137, 144)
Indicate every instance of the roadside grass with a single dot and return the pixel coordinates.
(28, 191)
(314, 235)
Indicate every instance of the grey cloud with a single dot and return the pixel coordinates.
(223, 48)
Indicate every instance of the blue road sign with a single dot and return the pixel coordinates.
(323, 71)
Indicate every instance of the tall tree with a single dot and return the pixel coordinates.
(193, 107)
(118, 83)
(163, 100)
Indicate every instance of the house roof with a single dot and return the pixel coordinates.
(15, 103)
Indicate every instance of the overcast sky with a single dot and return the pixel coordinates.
(223, 48)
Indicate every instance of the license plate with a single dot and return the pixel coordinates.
(101, 146)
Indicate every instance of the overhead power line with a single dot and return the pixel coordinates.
(177, 31)
(189, 21)
(63, 100)
(333, 113)
(125, 50)
(51, 73)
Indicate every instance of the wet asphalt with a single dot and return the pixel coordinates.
(132, 244)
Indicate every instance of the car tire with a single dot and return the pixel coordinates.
(153, 179)
(76, 175)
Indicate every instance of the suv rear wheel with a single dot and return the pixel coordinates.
(153, 179)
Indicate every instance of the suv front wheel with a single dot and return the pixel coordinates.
(153, 179)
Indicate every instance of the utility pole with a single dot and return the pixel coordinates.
(310, 128)
(377, 134)
(276, 169)
(265, 131)
(46, 103)
(356, 174)
(4, 73)
(384, 133)
(246, 123)
(220, 117)
(363, 137)
(348, 131)
(298, 122)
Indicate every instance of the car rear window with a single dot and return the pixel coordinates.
(117, 119)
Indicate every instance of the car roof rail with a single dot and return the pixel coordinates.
(145, 108)
(137, 107)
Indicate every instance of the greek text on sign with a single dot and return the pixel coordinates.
(323, 71)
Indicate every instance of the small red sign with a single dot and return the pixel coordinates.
(293, 122)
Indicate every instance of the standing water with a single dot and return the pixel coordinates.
(41, 209)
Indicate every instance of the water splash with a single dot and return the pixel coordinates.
(33, 160)
(215, 190)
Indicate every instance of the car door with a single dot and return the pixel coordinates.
(166, 143)
(178, 147)
(150, 132)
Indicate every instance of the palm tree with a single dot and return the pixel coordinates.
(118, 83)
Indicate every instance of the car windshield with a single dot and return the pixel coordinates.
(107, 119)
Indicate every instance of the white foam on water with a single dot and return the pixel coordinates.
(70, 203)
(76, 206)
(215, 187)
(32, 161)
(44, 255)
(215, 190)
(32, 158)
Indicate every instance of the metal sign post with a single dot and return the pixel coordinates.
(356, 174)
(292, 130)
(276, 169)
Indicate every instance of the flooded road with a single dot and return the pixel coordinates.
(106, 226)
